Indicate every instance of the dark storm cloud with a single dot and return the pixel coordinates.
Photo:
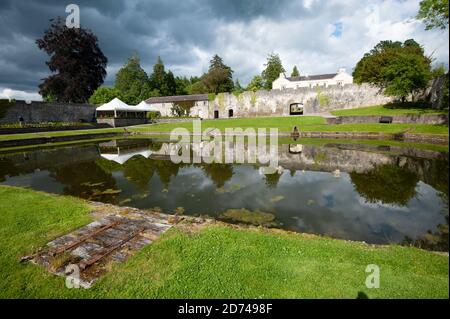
(187, 33)
(149, 28)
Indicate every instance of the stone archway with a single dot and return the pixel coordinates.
(296, 109)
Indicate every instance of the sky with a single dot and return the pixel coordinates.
(319, 36)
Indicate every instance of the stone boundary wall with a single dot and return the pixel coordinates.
(277, 102)
(38, 112)
(4, 131)
(407, 118)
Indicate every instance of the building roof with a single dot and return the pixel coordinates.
(117, 105)
(311, 77)
(177, 98)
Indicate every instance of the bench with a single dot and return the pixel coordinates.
(386, 119)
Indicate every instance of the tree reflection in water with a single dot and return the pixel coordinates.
(218, 173)
(388, 183)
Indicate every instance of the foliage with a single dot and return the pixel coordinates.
(219, 77)
(152, 115)
(438, 71)
(272, 70)
(77, 60)
(397, 68)
(182, 85)
(256, 84)
(324, 100)
(238, 89)
(211, 97)
(389, 184)
(182, 108)
(198, 87)
(4, 105)
(434, 14)
(295, 72)
(132, 82)
(158, 77)
(104, 94)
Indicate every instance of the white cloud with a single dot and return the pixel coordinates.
(308, 42)
(19, 95)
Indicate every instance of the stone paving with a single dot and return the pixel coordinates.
(117, 233)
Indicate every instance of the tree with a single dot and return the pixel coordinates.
(238, 87)
(397, 68)
(255, 84)
(132, 82)
(295, 72)
(272, 71)
(182, 84)
(169, 87)
(219, 77)
(103, 95)
(198, 87)
(434, 14)
(77, 60)
(158, 77)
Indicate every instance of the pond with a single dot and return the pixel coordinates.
(373, 193)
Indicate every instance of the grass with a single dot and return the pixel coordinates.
(306, 124)
(388, 110)
(284, 125)
(214, 262)
(59, 133)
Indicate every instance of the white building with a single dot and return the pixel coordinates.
(340, 78)
(197, 104)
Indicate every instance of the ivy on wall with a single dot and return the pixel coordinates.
(324, 100)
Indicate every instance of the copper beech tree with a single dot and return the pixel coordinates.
(77, 63)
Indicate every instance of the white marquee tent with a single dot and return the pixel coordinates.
(117, 105)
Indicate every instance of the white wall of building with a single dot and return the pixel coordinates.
(341, 78)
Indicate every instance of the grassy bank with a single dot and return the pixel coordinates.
(389, 110)
(213, 262)
(306, 124)
(283, 124)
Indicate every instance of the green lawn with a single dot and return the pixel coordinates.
(215, 262)
(387, 110)
(59, 133)
(306, 124)
(284, 125)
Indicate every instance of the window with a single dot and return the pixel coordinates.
(296, 109)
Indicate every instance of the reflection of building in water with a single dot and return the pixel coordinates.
(121, 151)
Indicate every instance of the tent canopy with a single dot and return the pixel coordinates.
(117, 105)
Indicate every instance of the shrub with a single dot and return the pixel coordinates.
(153, 115)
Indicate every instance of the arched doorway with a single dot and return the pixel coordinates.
(230, 113)
(216, 114)
(296, 109)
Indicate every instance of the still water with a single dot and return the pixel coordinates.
(376, 194)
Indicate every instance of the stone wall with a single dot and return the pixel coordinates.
(38, 112)
(406, 118)
(120, 122)
(277, 102)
